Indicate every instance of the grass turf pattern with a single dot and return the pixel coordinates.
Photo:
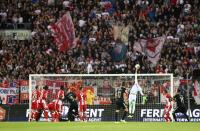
(99, 126)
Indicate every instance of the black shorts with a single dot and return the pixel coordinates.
(120, 104)
(180, 109)
(73, 108)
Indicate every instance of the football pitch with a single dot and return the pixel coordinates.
(99, 126)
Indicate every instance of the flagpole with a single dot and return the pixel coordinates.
(188, 95)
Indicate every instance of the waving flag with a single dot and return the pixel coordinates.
(151, 48)
(63, 32)
(119, 52)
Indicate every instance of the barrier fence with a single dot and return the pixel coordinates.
(145, 113)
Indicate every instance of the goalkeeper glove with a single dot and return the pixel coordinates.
(144, 99)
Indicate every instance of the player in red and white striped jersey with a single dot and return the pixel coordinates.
(82, 104)
(42, 102)
(55, 107)
(168, 106)
(35, 97)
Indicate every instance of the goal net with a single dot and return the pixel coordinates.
(100, 91)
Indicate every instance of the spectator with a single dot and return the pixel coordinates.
(1, 102)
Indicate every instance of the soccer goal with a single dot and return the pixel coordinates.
(100, 91)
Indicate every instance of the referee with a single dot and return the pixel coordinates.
(180, 106)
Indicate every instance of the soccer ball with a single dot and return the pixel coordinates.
(137, 66)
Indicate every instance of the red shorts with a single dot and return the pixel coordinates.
(83, 108)
(34, 105)
(41, 105)
(55, 106)
(167, 109)
(51, 107)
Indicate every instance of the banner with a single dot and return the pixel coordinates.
(24, 89)
(63, 32)
(9, 91)
(9, 95)
(14, 84)
(143, 113)
(15, 34)
(150, 48)
(23, 82)
(24, 94)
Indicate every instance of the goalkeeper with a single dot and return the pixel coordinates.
(133, 96)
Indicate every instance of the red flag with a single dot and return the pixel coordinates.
(195, 88)
(150, 45)
(151, 48)
(63, 32)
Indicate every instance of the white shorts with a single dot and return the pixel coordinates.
(132, 98)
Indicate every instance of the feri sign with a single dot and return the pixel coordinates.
(2, 114)
(15, 34)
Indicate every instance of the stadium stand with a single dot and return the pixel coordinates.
(178, 20)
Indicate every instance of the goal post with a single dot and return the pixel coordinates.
(101, 106)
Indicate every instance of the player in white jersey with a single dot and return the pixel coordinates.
(133, 95)
(132, 98)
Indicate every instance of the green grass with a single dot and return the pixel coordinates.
(98, 126)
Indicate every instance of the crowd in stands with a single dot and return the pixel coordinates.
(179, 20)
